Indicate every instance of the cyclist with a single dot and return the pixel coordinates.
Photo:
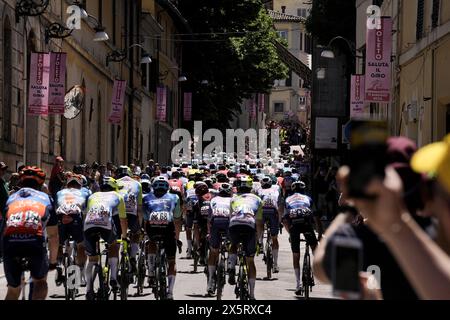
(131, 191)
(99, 222)
(219, 219)
(191, 200)
(146, 184)
(288, 180)
(298, 219)
(176, 187)
(246, 208)
(29, 216)
(160, 210)
(272, 203)
(71, 203)
(201, 212)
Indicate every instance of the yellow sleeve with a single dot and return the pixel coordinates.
(140, 195)
(122, 208)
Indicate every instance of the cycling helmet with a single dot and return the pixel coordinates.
(245, 182)
(160, 185)
(85, 181)
(32, 173)
(221, 177)
(226, 189)
(298, 186)
(209, 182)
(123, 171)
(145, 177)
(266, 182)
(73, 177)
(109, 182)
(175, 175)
(201, 188)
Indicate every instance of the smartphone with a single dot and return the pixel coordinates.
(347, 259)
(367, 155)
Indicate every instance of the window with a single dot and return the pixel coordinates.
(435, 14)
(289, 79)
(420, 16)
(278, 107)
(283, 34)
(302, 13)
(301, 41)
(302, 100)
(7, 81)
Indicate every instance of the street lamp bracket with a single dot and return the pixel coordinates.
(30, 8)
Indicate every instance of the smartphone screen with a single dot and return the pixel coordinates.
(347, 265)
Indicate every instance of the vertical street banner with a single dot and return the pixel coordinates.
(161, 103)
(187, 114)
(57, 81)
(261, 102)
(117, 101)
(39, 84)
(357, 97)
(378, 63)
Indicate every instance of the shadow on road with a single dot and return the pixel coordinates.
(199, 296)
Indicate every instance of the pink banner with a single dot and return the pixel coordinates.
(118, 98)
(57, 82)
(39, 83)
(261, 102)
(161, 103)
(357, 96)
(378, 63)
(187, 106)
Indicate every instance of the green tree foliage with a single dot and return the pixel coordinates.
(330, 18)
(232, 48)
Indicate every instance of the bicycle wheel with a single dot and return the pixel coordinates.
(220, 278)
(269, 258)
(66, 287)
(306, 276)
(141, 273)
(243, 289)
(123, 279)
(195, 256)
(162, 278)
(99, 293)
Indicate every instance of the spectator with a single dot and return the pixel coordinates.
(13, 184)
(150, 169)
(4, 194)
(57, 177)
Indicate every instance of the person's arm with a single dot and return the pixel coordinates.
(123, 217)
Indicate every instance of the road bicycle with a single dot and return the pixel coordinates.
(242, 290)
(69, 256)
(100, 278)
(160, 286)
(268, 255)
(221, 263)
(142, 266)
(125, 275)
(307, 274)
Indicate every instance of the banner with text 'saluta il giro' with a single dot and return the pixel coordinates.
(378, 62)
(57, 82)
(187, 106)
(357, 103)
(39, 84)
(161, 103)
(118, 98)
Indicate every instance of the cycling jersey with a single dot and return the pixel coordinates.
(220, 208)
(298, 207)
(202, 209)
(132, 193)
(190, 185)
(271, 198)
(72, 202)
(191, 199)
(161, 211)
(246, 208)
(28, 211)
(102, 206)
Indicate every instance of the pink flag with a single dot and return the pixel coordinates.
(118, 98)
(161, 103)
(357, 97)
(261, 102)
(57, 82)
(188, 106)
(39, 83)
(378, 63)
